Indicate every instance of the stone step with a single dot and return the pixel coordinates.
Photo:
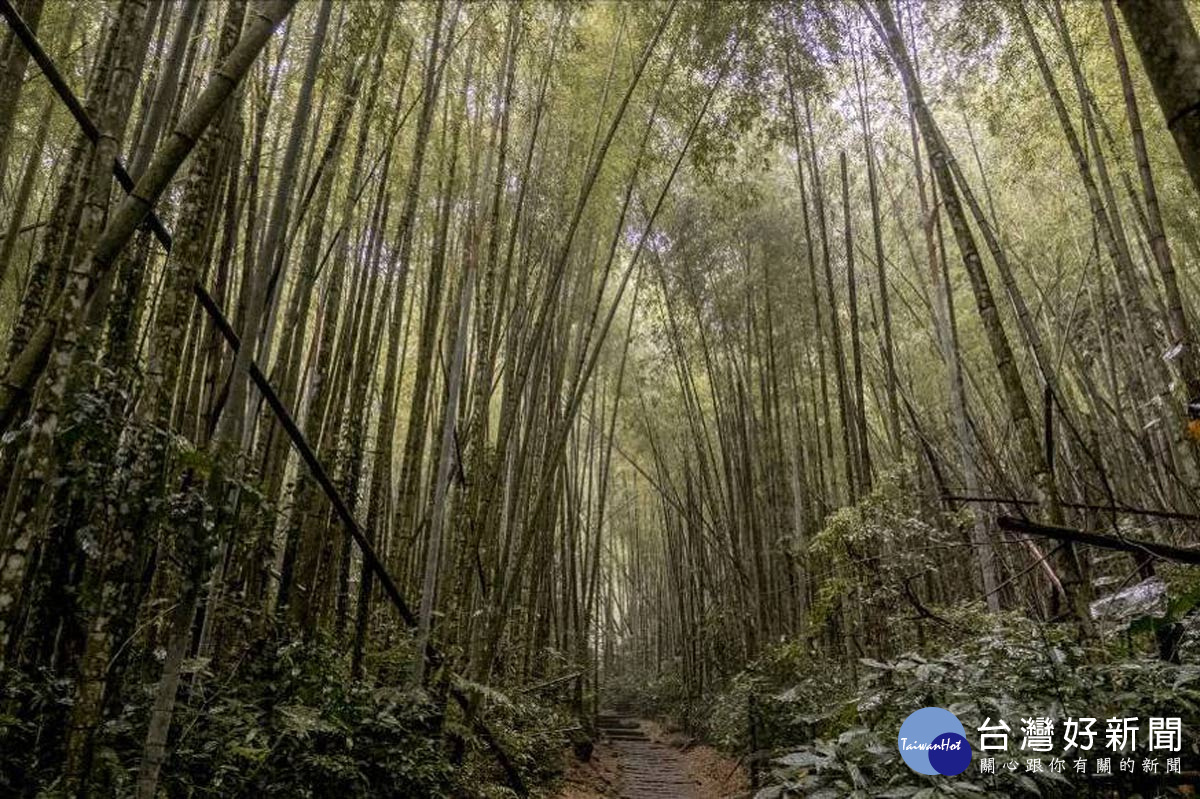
(617, 725)
(648, 769)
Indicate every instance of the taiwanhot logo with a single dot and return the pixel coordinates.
(933, 741)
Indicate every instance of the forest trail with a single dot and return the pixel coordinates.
(648, 769)
(388, 385)
(649, 764)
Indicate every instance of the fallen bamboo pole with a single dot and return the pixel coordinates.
(1164, 551)
(1116, 508)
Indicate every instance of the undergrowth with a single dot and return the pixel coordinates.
(820, 734)
(288, 721)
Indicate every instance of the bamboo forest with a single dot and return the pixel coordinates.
(573, 399)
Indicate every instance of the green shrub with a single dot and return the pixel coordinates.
(1018, 669)
(288, 721)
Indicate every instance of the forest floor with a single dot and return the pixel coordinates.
(665, 764)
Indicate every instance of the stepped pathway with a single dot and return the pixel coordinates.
(648, 769)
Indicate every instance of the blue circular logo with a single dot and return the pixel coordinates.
(933, 741)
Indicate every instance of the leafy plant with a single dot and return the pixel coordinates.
(1020, 668)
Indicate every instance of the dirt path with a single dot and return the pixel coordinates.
(637, 760)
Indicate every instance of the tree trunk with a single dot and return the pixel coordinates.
(1076, 590)
(1166, 39)
(1189, 359)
